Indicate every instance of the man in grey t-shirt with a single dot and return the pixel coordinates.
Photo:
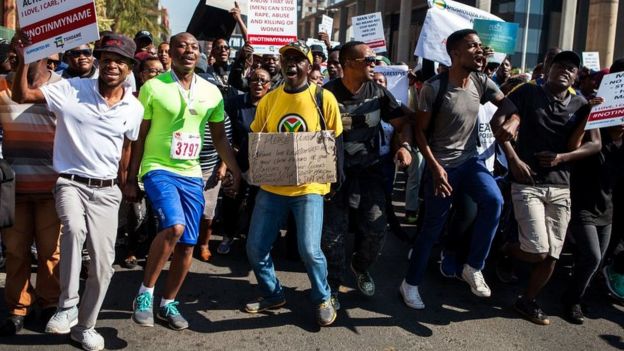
(447, 137)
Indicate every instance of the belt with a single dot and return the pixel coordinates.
(91, 182)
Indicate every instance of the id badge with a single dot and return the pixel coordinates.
(185, 146)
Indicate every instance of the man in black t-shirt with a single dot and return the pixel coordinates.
(550, 135)
(363, 105)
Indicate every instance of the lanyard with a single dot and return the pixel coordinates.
(188, 98)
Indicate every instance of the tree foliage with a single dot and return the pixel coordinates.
(130, 16)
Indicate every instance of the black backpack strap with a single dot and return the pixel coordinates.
(437, 103)
(319, 106)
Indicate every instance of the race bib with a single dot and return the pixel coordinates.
(185, 146)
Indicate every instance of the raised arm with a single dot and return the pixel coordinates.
(236, 13)
(21, 92)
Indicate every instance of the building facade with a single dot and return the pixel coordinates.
(579, 25)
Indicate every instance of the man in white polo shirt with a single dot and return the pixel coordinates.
(96, 120)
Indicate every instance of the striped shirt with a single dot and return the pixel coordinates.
(208, 157)
(28, 141)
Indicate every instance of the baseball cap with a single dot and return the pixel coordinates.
(143, 34)
(299, 46)
(118, 44)
(569, 56)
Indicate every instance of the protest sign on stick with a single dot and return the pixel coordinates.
(55, 26)
(326, 25)
(497, 35)
(292, 158)
(369, 29)
(271, 24)
(611, 112)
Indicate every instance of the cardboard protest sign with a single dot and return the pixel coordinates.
(499, 36)
(611, 112)
(369, 29)
(397, 81)
(591, 60)
(57, 25)
(442, 19)
(271, 24)
(292, 158)
(326, 25)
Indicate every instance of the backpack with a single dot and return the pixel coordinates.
(7, 194)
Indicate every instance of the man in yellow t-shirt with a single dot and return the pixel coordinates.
(291, 107)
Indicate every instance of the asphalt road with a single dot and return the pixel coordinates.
(214, 293)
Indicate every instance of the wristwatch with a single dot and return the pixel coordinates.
(407, 146)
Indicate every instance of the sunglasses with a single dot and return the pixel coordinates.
(260, 81)
(368, 59)
(78, 53)
(222, 48)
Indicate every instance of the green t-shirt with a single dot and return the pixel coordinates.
(173, 123)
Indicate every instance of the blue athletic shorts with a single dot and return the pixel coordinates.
(176, 199)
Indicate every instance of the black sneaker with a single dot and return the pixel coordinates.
(505, 270)
(335, 301)
(531, 311)
(365, 283)
(12, 325)
(262, 304)
(574, 314)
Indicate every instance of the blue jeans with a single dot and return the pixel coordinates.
(476, 181)
(269, 213)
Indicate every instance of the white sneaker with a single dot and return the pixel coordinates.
(90, 339)
(62, 321)
(475, 279)
(410, 295)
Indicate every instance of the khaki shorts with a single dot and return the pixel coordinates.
(211, 195)
(543, 213)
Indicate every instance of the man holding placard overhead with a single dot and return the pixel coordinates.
(294, 107)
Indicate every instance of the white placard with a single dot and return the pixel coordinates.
(326, 25)
(396, 80)
(611, 112)
(443, 18)
(271, 24)
(591, 60)
(369, 29)
(56, 25)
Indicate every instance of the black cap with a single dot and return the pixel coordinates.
(118, 44)
(568, 56)
(143, 34)
(316, 48)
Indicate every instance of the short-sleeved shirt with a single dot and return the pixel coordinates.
(90, 134)
(169, 114)
(361, 115)
(29, 141)
(280, 111)
(452, 132)
(546, 124)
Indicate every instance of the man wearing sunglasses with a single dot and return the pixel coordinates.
(218, 74)
(363, 105)
(80, 62)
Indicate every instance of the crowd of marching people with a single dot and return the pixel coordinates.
(147, 144)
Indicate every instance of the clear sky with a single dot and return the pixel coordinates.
(180, 13)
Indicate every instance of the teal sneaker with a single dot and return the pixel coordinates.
(170, 314)
(143, 313)
(365, 283)
(615, 282)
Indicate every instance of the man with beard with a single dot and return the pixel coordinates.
(97, 119)
(447, 136)
(293, 107)
(363, 105)
(551, 127)
(218, 73)
(178, 105)
(80, 63)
